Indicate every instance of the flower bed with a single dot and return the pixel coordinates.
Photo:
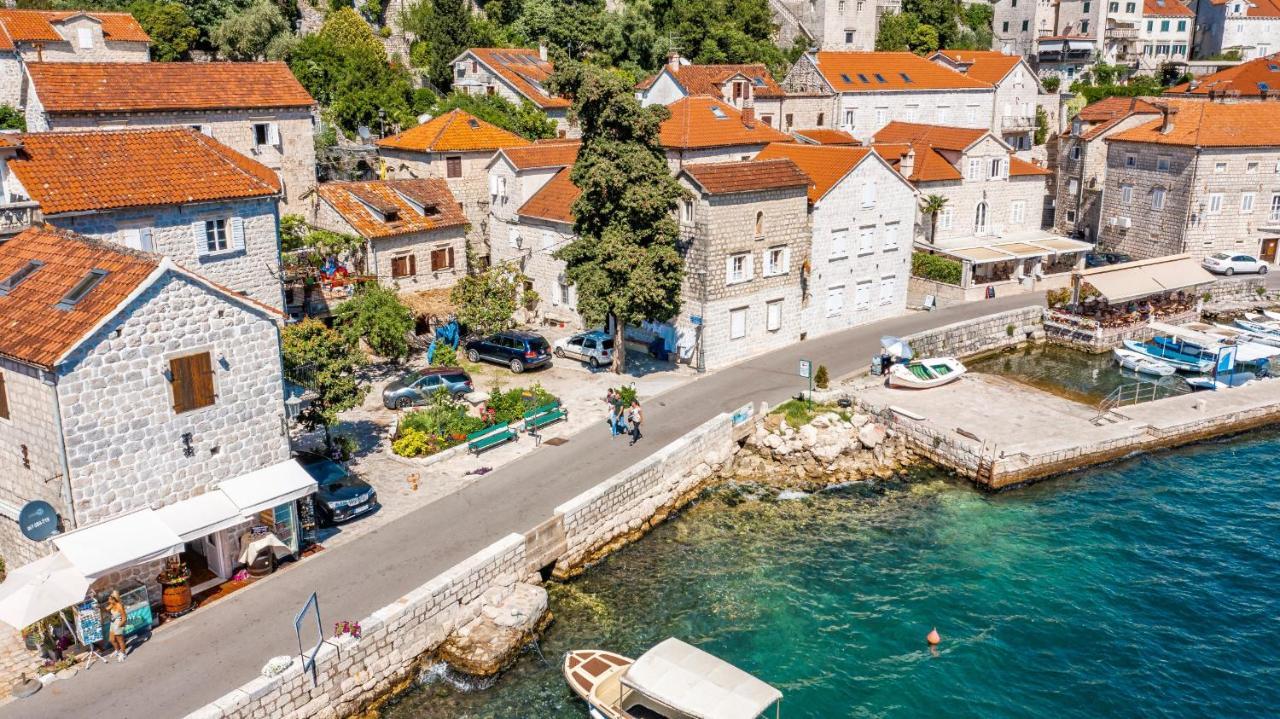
(446, 422)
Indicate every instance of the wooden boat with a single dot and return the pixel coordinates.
(1143, 364)
(673, 680)
(926, 373)
(1181, 362)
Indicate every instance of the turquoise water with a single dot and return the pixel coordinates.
(1147, 588)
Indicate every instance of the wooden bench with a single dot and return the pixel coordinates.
(540, 417)
(490, 437)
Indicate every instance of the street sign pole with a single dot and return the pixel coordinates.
(806, 371)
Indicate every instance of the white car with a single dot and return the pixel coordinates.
(1225, 264)
(594, 347)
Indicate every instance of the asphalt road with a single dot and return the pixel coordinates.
(196, 660)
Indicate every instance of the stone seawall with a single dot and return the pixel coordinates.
(961, 339)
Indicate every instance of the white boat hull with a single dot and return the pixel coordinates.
(1142, 364)
(926, 373)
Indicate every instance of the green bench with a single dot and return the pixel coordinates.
(540, 417)
(490, 437)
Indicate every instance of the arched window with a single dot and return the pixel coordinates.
(980, 219)
(759, 224)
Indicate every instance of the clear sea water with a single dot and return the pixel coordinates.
(1147, 588)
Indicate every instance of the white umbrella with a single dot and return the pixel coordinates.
(896, 346)
(36, 590)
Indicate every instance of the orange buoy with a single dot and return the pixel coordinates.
(933, 637)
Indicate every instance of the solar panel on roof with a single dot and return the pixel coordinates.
(863, 78)
(880, 78)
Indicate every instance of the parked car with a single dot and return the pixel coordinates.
(515, 349)
(341, 495)
(417, 387)
(1225, 264)
(594, 347)
(1102, 259)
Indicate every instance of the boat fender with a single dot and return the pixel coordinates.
(933, 637)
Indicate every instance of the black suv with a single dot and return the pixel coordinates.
(517, 350)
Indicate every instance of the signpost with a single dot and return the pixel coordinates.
(38, 520)
(806, 371)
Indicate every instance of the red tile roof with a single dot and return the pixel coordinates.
(550, 153)
(986, 65)
(1105, 114)
(74, 87)
(32, 327)
(1261, 8)
(1019, 167)
(1165, 8)
(729, 178)
(824, 136)
(101, 170)
(1211, 124)
(943, 137)
(825, 165)
(702, 122)
(524, 70)
(454, 131)
(709, 79)
(927, 143)
(554, 201)
(1247, 79)
(901, 71)
(37, 26)
(364, 206)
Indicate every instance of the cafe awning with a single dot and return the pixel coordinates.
(122, 541)
(976, 255)
(201, 516)
(1143, 278)
(268, 487)
(1062, 246)
(1021, 249)
(697, 684)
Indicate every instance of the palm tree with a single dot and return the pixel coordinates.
(932, 205)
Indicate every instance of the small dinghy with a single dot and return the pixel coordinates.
(1143, 364)
(1222, 381)
(926, 373)
(1184, 363)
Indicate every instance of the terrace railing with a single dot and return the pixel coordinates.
(1134, 393)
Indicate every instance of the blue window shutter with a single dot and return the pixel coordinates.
(144, 237)
(197, 234)
(237, 233)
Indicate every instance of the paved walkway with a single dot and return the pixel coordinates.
(217, 649)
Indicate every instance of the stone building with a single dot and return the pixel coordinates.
(258, 109)
(457, 147)
(1202, 178)
(1013, 116)
(1065, 56)
(414, 230)
(1252, 81)
(1017, 23)
(173, 191)
(1142, 34)
(745, 238)
(127, 383)
(830, 24)
(1082, 162)
(514, 74)
(862, 214)
(705, 129)
(64, 36)
(872, 89)
(1251, 27)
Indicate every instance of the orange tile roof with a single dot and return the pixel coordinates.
(551, 153)
(1262, 8)
(1019, 167)
(454, 131)
(1108, 112)
(845, 70)
(824, 136)
(941, 136)
(101, 170)
(364, 204)
(929, 164)
(32, 328)
(73, 87)
(1211, 124)
(37, 26)
(986, 65)
(1247, 79)
(554, 201)
(825, 165)
(524, 70)
(729, 178)
(694, 123)
(708, 79)
(1165, 8)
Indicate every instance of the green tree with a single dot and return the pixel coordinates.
(524, 119)
(1051, 83)
(443, 30)
(897, 30)
(487, 301)
(1042, 126)
(12, 119)
(170, 27)
(624, 259)
(323, 361)
(931, 206)
(246, 34)
(376, 315)
(924, 40)
(293, 232)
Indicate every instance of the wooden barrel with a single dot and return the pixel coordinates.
(177, 599)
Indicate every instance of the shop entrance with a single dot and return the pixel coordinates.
(1268, 253)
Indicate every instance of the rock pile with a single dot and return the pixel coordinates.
(509, 618)
(830, 449)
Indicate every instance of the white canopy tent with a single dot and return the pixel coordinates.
(268, 487)
(36, 590)
(1142, 278)
(697, 684)
(121, 541)
(200, 516)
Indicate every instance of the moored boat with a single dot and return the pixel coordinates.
(1181, 362)
(1273, 316)
(925, 373)
(1222, 381)
(1143, 364)
(673, 680)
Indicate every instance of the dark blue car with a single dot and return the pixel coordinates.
(515, 349)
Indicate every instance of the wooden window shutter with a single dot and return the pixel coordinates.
(145, 239)
(413, 264)
(451, 265)
(192, 382)
(4, 398)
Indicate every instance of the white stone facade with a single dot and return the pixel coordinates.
(382, 250)
(1234, 24)
(1009, 204)
(471, 187)
(1082, 177)
(1017, 23)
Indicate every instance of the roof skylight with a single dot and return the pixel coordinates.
(15, 279)
(81, 288)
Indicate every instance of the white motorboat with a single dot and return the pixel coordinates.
(673, 680)
(1143, 364)
(925, 373)
(1273, 316)
(1222, 381)
(1227, 332)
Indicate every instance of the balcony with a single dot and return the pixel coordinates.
(1122, 32)
(18, 216)
(1017, 122)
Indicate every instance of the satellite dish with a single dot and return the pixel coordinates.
(364, 133)
(38, 520)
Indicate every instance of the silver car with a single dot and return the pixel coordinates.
(594, 347)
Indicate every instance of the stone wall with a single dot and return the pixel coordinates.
(418, 244)
(30, 457)
(471, 190)
(979, 335)
(12, 80)
(1239, 291)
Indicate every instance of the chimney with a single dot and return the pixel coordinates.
(1166, 118)
(673, 60)
(907, 164)
(542, 51)
(749, 116)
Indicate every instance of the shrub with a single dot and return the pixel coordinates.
(1008, 330)
(1057, 298)
(444, 356)
(628, 394)
(820, 378)
(414, 443)
(442, 424)
(376, 314)
(936, 267)
(1051, 83)
(510, 405)
(346, 445)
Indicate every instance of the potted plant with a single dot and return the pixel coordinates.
(177, 588)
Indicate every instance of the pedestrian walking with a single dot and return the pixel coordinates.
(615, 409)
(115, 630)
(636, 416)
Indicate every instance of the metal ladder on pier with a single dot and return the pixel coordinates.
(1130, 394)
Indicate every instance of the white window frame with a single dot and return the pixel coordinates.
(1164, 163)
(738, 323)
(866, 239)
(889, 237)
(862, 295)
(889, 283)
(1157, 198)
(1246, 202)
(945, 218)
(738, 268)
(975, 168)
(839, 243)
(84, 37)
(835, 300)
(869, 194)
(776, 261)
(1017, 212)
(1219, 168)
(1130, 160)
(773, 315)
(1215, 203)
(1126, 194)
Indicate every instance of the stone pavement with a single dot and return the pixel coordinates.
(197, 660)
